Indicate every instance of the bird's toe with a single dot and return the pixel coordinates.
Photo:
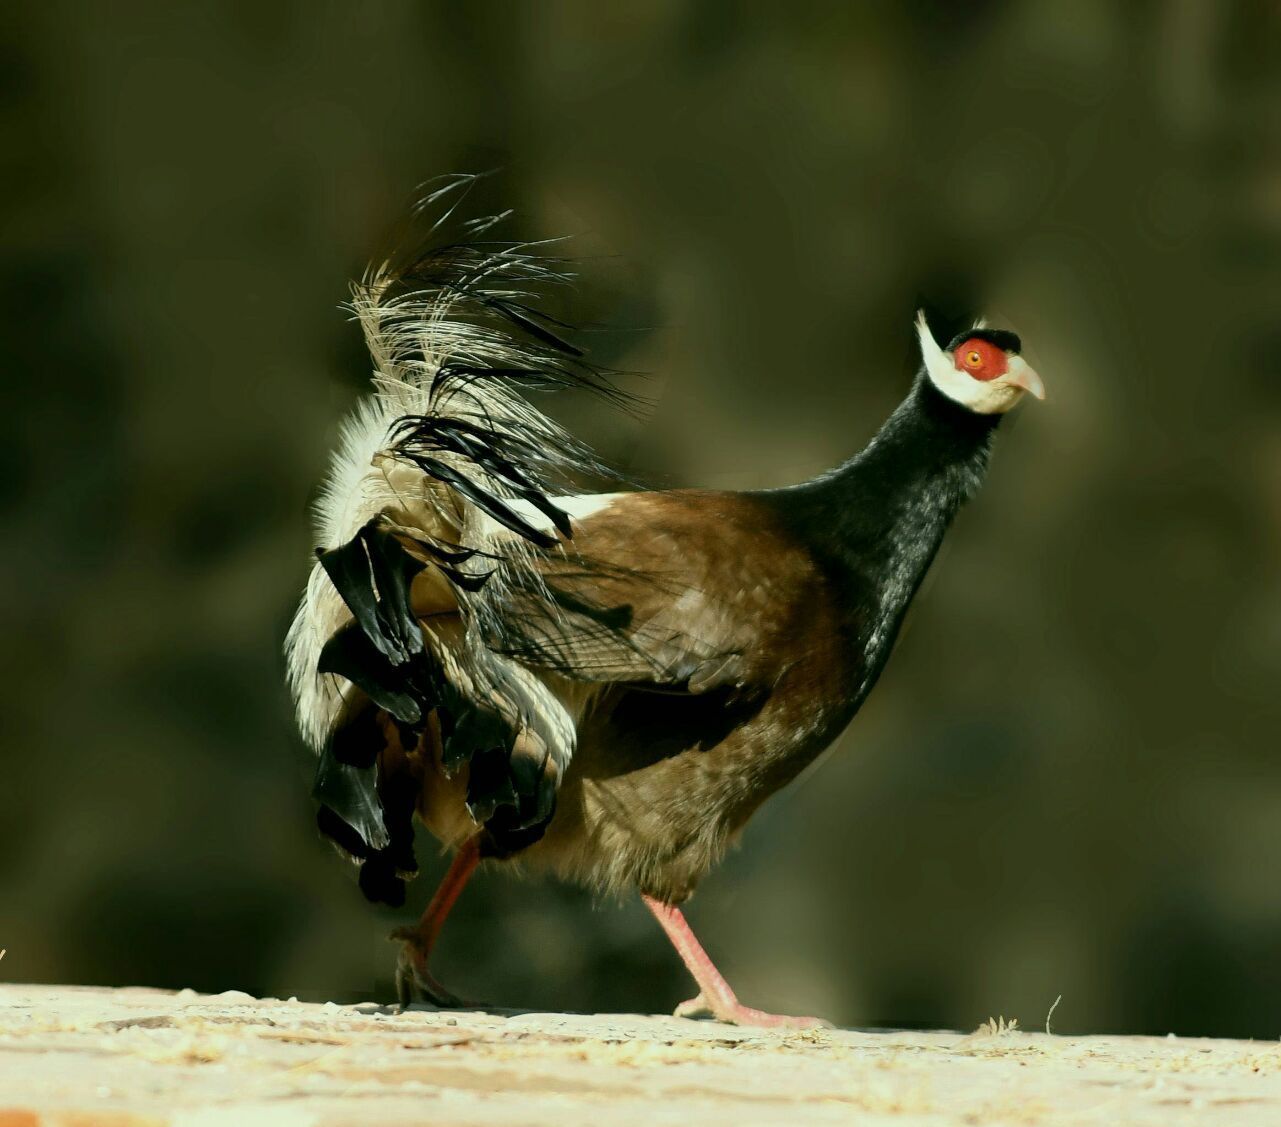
(694, 1008)
(415, 983)
(735, 1013)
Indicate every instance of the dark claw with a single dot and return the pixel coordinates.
(404, 996)
(415, 983)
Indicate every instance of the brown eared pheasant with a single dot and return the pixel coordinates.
(603, 686)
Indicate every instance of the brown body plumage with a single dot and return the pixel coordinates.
(665, 777)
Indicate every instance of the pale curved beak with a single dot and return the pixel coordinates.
(1022, 374)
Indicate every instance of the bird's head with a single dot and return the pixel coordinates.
(981, 369)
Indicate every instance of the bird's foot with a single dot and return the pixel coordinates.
(733, 1012)
(414, 982)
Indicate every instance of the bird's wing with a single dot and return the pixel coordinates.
(678, 591)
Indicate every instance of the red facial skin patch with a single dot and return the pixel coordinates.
(981, 359)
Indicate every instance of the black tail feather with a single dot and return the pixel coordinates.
(352, 655)
(350, 794)
(373, 573)
(364, 811)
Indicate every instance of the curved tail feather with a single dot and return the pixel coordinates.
(422, 514)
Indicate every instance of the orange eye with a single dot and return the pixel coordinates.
(973, 359)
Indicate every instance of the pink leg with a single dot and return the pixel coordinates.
(412, 975)
(714, 994)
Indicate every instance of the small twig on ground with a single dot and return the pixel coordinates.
(1051, 1013)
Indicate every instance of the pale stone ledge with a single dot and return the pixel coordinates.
(72, 1057)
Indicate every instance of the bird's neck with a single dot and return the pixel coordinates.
(877, 521)
(925, 462)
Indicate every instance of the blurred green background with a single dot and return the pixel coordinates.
(1069, 780)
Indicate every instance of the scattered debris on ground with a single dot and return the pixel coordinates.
(74, 1057)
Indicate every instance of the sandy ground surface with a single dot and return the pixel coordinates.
(72, 1057)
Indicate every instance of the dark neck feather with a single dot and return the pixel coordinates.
(925, 462)
(877, 521)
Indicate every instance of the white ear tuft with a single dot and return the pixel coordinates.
(931, 353)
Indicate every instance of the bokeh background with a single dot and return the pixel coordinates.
(1069, 780)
